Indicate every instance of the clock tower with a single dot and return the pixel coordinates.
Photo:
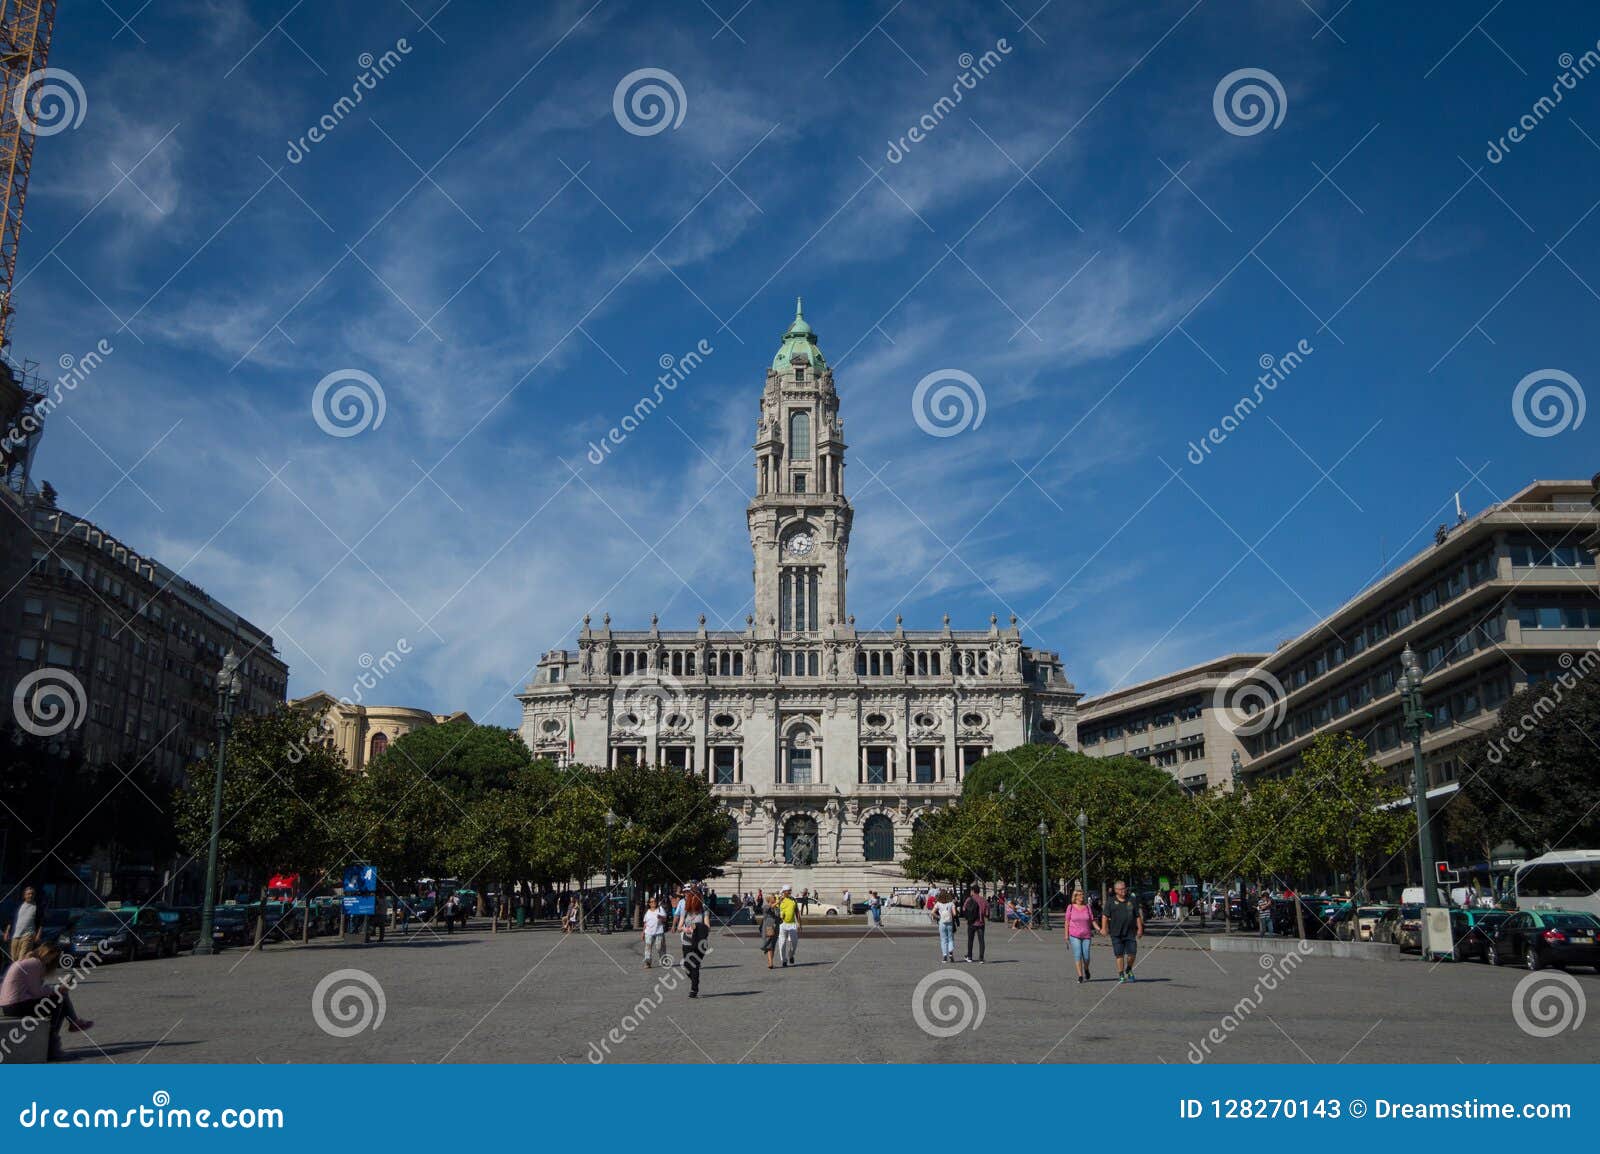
(799, 517)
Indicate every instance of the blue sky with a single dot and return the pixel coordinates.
(1082, 235)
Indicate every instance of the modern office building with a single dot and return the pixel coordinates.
(1491, 606)
(1171, 722)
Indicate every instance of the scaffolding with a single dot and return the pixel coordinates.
(25, 27)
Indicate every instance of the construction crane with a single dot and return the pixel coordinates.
(25, 27)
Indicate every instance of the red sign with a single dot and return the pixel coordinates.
(290, 882)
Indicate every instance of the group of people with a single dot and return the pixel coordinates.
(691, 921)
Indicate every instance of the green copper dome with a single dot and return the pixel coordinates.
(799, 341)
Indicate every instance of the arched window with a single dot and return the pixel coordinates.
(802, 757)
(380, 742)
(800, 840)
(877, 835)
(800, 436)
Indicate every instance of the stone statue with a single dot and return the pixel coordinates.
(804, 852)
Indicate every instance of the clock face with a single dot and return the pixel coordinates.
(799, 545)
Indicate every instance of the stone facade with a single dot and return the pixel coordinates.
(825, 742)
(362, 732)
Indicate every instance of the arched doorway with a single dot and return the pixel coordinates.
(800, 840)
(877, 835)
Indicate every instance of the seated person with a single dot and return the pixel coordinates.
(23, 993)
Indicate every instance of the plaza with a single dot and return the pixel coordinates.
(541, 996)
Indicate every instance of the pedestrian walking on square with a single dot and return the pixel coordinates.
(846, 910)
(875, 907)
(944, 916)
(976, 912)
(769, 933)
(694, 933)
(655, 934)
(788, 926)
(1080, 933)
(24, 926)
(1123, 923)
(1264, 915)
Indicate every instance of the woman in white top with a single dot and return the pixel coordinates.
(944, 913)
(655, 933)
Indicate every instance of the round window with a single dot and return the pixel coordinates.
(877, 720)
(723, 720)
(629, 719)
(676, 721)
(1048, 725)
(972, 720)
(925, 720)
(551, 725)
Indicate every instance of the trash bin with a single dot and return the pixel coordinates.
(522, 916)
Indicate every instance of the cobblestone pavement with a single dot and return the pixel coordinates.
(540, 996)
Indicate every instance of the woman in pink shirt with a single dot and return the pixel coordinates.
(23, 993)
(1079, 932)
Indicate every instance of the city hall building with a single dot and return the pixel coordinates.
(825, 742)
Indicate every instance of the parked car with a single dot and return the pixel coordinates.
(231, 926)
(56, 926)
(1368, 918)
(122, 935)
(1472, 930)
(1407, 931)
(184, 924)
(1540, 938)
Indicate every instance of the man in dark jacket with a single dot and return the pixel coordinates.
(976, 912)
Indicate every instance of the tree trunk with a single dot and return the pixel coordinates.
(1299, 916)
(305, 922)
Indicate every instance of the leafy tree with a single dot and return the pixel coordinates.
(1352, 818)
(670, 829)
(464, 759)
(1535, 777)
(282, 799)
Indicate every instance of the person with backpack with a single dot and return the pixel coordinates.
(770, 921)
(694, 931)
(976, 912)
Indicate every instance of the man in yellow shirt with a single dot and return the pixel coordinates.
(788, 925)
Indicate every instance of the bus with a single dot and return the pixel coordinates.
(1567, 879)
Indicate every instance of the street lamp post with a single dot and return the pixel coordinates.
(229, 687)
(611, 821)
(1415, 717)
(1044, 874)
(1083, 849)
